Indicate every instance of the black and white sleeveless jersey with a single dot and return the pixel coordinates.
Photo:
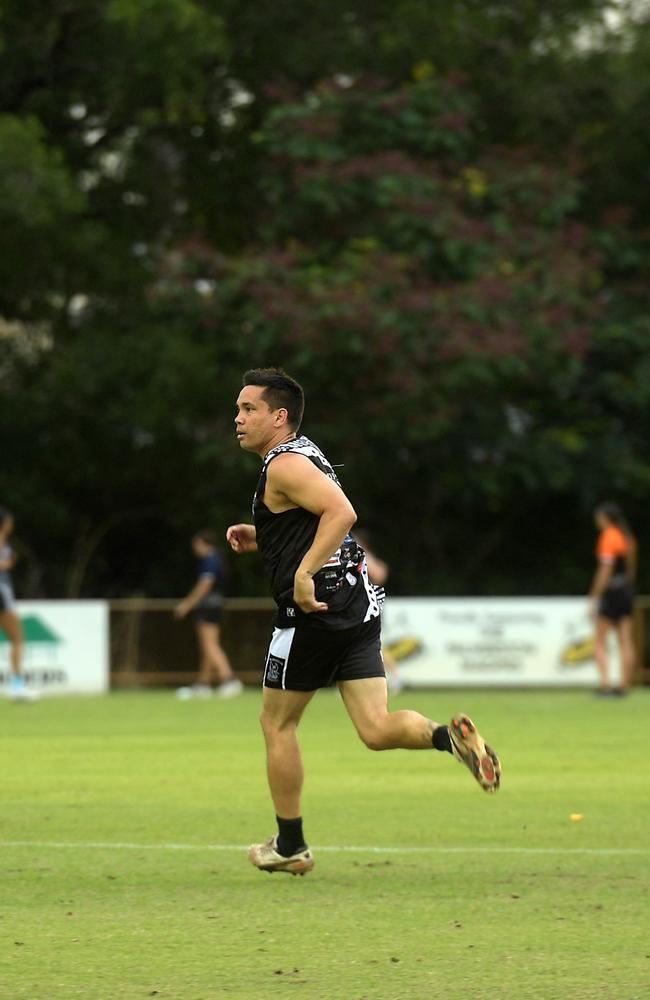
(284, 538)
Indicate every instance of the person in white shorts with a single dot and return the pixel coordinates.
(9, 620)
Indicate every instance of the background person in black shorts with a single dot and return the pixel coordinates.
(206, 600)
(612, 595)
(327, 625)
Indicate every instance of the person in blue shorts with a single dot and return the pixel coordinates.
(9, 620)
(205, 599)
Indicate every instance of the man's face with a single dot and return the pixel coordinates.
(256, 423)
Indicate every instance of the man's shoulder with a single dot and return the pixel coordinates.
(292, 465)
(287, 459)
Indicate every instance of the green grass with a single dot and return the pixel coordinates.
(491, 896)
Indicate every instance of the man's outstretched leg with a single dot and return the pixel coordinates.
(287, 851)
(367, 706)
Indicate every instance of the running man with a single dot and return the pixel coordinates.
(205, 599)
(327, 624)
(9, 620)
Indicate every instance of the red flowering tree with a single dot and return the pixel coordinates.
(444, 306)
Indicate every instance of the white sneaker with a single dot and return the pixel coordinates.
(230, 689)
(24, 694)
(194, 691)
(266, 858)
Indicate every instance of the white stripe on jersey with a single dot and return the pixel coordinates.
(371, 591)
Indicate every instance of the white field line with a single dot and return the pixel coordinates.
(347, 849)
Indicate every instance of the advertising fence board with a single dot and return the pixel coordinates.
(66, 647)
(500, 642)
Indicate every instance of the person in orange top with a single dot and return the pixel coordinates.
(612, 593)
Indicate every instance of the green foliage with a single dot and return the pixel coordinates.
(420, 211)
(38, 198)
(463, 308)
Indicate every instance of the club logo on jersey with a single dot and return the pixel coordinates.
(274, 668)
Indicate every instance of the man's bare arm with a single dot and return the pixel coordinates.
(298, 481)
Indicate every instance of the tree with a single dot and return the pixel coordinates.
(401, 203)
(446, 301)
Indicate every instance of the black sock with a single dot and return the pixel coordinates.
(290, 837)
(441, 739)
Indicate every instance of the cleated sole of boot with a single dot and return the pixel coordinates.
(480, 758)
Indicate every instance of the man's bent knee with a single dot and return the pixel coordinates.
(374, 738)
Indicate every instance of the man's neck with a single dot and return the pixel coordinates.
(274, 442)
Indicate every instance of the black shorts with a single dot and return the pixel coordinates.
(213, 616)
(616, 603)
(304, 659)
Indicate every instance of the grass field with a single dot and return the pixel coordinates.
(124, 820)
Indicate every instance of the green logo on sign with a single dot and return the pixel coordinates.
(35, 631)
(42, 652)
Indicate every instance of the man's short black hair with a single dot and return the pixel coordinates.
(280, 390)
